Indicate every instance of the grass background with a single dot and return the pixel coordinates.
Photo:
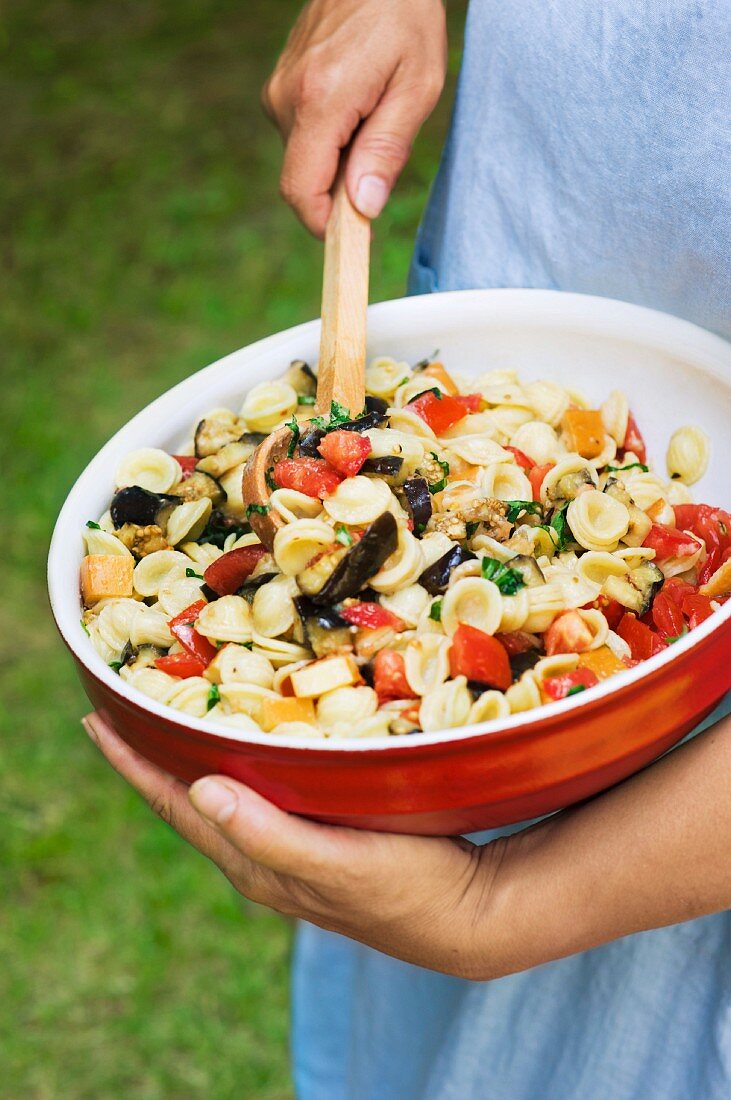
(141, 238)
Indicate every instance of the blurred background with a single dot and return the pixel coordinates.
(142, 238)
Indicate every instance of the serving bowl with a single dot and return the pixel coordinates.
(496, 772)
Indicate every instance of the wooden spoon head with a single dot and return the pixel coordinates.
(254, 485)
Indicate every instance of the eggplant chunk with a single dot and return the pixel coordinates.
(325, 631)
(376, 405)
(418, 502)
(301, 378)
(198, 486)
(637, 590)
(435, 578)
(142, 539)
(309, 442)
(528, 568)
(139, 506)
(233, 454)
(362, 423)
(215, 432)
(249, 589)
(615, 488)
(567, 487)
(342, 575)
(389, 467)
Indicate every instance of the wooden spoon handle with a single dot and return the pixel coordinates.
(341, 373)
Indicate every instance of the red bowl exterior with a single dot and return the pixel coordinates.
(459, 785)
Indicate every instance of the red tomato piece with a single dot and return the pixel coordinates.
(567, 634)
(346, 451)
(226, 574)
(536, 475)
(181, 664)
(187, 464)
(696, 608)
(612, 610)
(389, 677)
(181, 628)
(558, 687)
(710, 565)
(517, 641)
(668, 542)
(479, 657)
(633, 440)
(312, 476)
(471, 402)
(440, 413)
(642, 641)
(667, 616)
(676, 590)
(521, 458)
(371, 616)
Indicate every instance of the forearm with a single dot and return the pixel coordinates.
(651, 852)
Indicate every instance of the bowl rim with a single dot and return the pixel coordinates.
(607, 316)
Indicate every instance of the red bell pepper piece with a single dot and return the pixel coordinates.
(440, 413)
(521, 458)
(389, 677)
(633, 440)
(371, 616)
(642, 641)
(312, 476)
(346, 451)
(558, 687)
(197, 645)
(226, 574)
(536, 475)
(181, 664)
(480, 658)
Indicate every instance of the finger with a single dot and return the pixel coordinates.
(310, 163)
(383, 145)
(283, 842)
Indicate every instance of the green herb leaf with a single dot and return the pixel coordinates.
(517, 507)
(116, 665)
(437, 486)
(632, 466)
(433, 389)
(305, 399)
(435, 611)
(94, 526)
(508, 580)
(677, 637)
(214, 696)
(269, 479)
(192, 573)
(216, 531)
(247, 645)
(84, 627)
(576, 689)
(260, 509)
(558, 528)
(424, 363)
(471, 528)
(295, 430)
(343, 535)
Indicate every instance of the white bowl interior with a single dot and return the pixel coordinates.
(672, 372)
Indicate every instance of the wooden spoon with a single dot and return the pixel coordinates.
(341, 373)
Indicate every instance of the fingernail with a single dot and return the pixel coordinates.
(214, 800)
(371, 195)
(88, 725)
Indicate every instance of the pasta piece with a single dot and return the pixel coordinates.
(597, 625)
(473, 424)
(105, 651)
(150, 681)
(293, 505)
(506, 392)
(229, 456)
(378, 725)
(115, 621)
(273, 610)
(615, 415)
(478, 450)
(445, 706)
(237, 724)
(149, 626)
(384, 376)
(298, 729)
(678, 493)
(426, 662)
(538, 441)
(190, 696)
(556, 665)
(597, 521)
(232, 485)
(150, 468)
(278, 651)
(644, 488)
(569, 464)
(596, 566)
(515, 611)
(338, 710)
(407, 421)
(434, 546)
(153, 569)
(408, 603)
(473, 601)
(403, 567)
(545, 602)
(358, 500)
(102, 542)
(227, 619)
(300, 541)
(202, 553)
(688, 453)
(418, 383)
(618, 646)
(268, 405)
(548, 400)
(506, 481)
(236, 664)
(524, 695)
(507, 419)
(487, 707)
(249, 699)
(386, 442)
(492, 547)
(178, 592)
(188, 520)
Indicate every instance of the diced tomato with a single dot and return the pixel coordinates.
(709, 566)
(479, 657)
(226, 574)
(642, 641)
(633, 440)
(187, 464)
(713, 525)
(521, 458)
(667, 616)
(676, 590)
(312, 476)
(668, 542)
(536, 475)
(558, 687)
(181, 628)
(389, 677)
(181, 664)
(471, 402)
(696, 608)
(346, 451)
(371, 616)
(612, 610)
(517, 641)
(567, 634)
(440, 413)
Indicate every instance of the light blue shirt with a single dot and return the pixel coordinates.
(590, 151)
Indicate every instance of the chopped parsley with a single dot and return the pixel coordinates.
(116, 665)
(632, 466)
(338, 415)
(217, 531)
(343, 535)
(269, 478)
(576, 689)
(247, 645)
(558, 528)
(435, 611)
(471, 528)
(214, 696)
(507, 580)
(677, 637)
(437, 486)
(94, 526)
(517, 507)
(192, 573)
(433, 389)
(305, 399)
(259, 509)
(295, 430)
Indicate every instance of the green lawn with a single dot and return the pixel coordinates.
(142, 237)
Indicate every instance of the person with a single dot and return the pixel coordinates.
(588, 955)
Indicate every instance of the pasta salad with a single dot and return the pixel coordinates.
(460, 551)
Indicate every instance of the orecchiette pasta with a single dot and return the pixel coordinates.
(268, 406)
(597, 521)
(150, 468)
(688, 453)
(227, 619)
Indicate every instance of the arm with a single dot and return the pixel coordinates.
(651, 852)
(375, 66)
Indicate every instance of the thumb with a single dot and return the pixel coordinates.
(381, 149)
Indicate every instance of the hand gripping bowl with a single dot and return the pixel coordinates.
(496, 772)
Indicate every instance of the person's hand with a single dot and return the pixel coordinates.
(374, 64)
(413, 897)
